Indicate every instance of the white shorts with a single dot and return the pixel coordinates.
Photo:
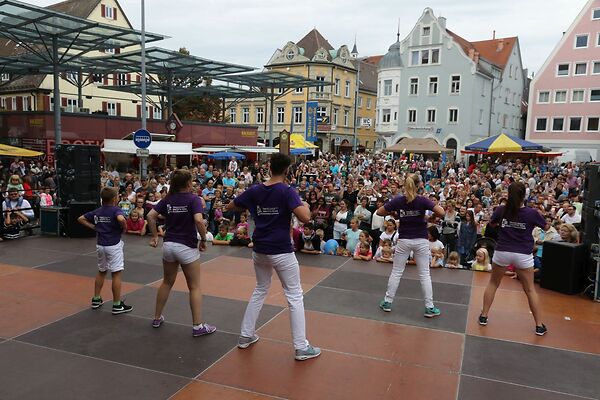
(517, 260)
(110, 258)
(177, 252)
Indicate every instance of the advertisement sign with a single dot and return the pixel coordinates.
(311, 121)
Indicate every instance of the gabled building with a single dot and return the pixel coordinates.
(434, 83)
(564, 100)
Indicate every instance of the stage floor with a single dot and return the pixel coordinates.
(53, 346)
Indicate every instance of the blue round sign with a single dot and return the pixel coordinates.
(142, 139)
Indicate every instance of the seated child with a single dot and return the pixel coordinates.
(453, 260)
(321, 234)
(384, 252)
(125, 205)
(244, 222)
(436, 259)
(363, 251)
(223, 237)
(310, 242)
(482, 260)
(136, 224)
(331, 247)
(240, 238)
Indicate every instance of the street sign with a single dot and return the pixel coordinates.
(142, 152)
(338, 140)
(142, 139)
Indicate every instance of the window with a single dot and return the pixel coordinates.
(593, 123)
(595, 95)
(386, 116)
(4, 77)
(581, 41)
(158, 113)
(280, 115)
(2, 103)
(424, 57)
(359, 101)
(290, 55)
(280, 90)
(26, 103)
(260, 115)
(397, 87)
(232, 115)
(98, 78)
(480, 117)
(121, 79)
(71, 76)
(426, 31)
(453, 116)
(387, 87)
(506, 96)
(431, 114)
(504, 120)
(560, 96)
(435, 56)
(245, 115)
(335, 116)
(510, 70)
(596, 68)
(598, 40)
(541, 124)
(321, 112)
(544, 97)
(563, 70)
(346, 117)
(455, 84)
(577, 96)
(336, 87)
(109, 12)
(369, 103)
(580, 68)
(575, 124)
(514, 97)
(414, 86)
(558, 124)
(320, 88)
(433, 85)
(110, 107)
(298, 90)
(414, 57)
(412, 116)
(347, 91)
(109, 51)
(297, 115)
(596, 14)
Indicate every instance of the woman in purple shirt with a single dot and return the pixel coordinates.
(183, 221)
(515, 247)
(412, 237)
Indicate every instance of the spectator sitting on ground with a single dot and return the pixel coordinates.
(321, 234)
(310, 242)
(223, 237)
(482, 260)
(453, 260)
(436, 248)
(363, 252)
(241, 238)
(384, 252)
(136, 225)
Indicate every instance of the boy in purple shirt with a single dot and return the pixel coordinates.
(109, 223)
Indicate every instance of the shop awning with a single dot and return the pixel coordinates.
(12, 151)
(156, 148)
(240, 149)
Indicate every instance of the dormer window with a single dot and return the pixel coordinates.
(109, 12)
(426, 31)
(290, 55)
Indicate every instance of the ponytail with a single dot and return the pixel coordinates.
(516, 196)
(410, 187)
(179, 181)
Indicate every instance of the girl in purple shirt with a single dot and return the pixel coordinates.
(183, 214)
(515, 247)
(412, 237)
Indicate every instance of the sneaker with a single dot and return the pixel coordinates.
(541, 330)
(431, 312)
(309, 352)
(204, 329)
(483, 320)
(156, 323)
(121, 308)
(385, 306)
(97, 303)
(245, 342)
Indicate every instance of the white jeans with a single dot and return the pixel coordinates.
(421, 252)
(286, 267)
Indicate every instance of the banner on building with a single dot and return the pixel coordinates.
(311, 120)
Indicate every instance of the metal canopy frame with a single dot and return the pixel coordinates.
(58, 39)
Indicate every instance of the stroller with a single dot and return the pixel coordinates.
(488, 243)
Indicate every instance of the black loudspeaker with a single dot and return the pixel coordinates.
(78, 173)
(563, 267)
(74, 228)
(591, 185)
(590, 213)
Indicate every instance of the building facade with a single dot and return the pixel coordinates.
(436, 84)
(313, 57)
(564, 100)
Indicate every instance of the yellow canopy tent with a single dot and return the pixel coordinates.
(297, 141)
(11, 151)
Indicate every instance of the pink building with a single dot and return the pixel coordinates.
(564, 98)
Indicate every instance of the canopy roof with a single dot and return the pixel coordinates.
(240, 149)
(298, 141)
(502, 143)
(156, 148)
(419, 146)
(154, 89)
(11, 151)
(272, 80)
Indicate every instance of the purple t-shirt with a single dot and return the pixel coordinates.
(516, 235)
(108, 228)
(179, 210)
(412, 216)
(271, 207)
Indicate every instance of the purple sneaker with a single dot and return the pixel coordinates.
(204, 329)
(156, 323)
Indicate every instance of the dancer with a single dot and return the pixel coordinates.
(271, 205)
(183, 213)
(515, 247)
(412, 237)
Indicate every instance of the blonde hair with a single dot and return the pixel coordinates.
(573, 234)
(453, 256)
(17, 177)
(410, 187)
(486, 255)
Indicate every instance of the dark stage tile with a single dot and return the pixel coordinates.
(226, 314)
(323, 261)
(31, 372)
(366, 305)
(409, 288)
(242, 252)
(28, 257)
(534, 366)
(131, 340)
(472, 388)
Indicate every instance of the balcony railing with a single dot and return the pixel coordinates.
(319, 96)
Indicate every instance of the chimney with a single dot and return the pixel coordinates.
(494, 35)
(442, 22)
(471, 53)
(500, 45)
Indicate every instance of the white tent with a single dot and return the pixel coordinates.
(156, 148)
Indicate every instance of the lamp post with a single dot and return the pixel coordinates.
(354, 55)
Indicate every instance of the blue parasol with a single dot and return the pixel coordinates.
(226, 155)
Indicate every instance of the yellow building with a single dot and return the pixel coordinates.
(34, 93)
(313, 57)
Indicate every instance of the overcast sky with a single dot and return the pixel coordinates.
(249, 31)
